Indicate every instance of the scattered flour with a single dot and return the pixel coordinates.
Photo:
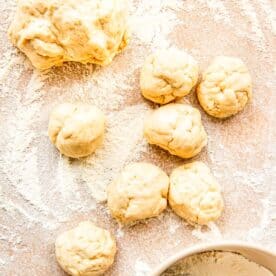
(141, 268)
(123, 142)
(152, 22)
(259, 233)
(120, 232)
(249, 11)
(211, 234)
(218, 10)
(41, 191)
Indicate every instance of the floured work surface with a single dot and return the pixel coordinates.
(43, 194)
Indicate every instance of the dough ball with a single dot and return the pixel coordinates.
(176, 128)
(226, 87)
(86, 250)
(195, 194)
(139, 192)
(167, 75)
(76, 129)
(55, 31)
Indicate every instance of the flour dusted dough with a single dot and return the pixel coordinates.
(54, 31)
(194, 193)
(226, 87)
(86, 250)
(139, 192)
(176, 128)
(167, 75)
(76, 129)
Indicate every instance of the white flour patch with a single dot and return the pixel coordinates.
(173, 227)
(43, 193)
(219, 11)
(123, 142)
(261, 232)
(120, 233)
(211, 234)
(270, 13)
(152, 22)
(141, 268)
(250, 13)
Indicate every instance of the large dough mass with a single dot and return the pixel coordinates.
(54, 31)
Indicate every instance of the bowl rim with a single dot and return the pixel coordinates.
(208, 246)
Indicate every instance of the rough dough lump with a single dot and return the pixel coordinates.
(86, 250)
(167, 75)
(55, 31)
(139, 192)
(226, 87)
(76, 129)
(194, 193)
(176, 128)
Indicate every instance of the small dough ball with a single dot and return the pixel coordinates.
(76, 129)
(176, 128)
(226, 87)
(195, 194)
(55, 31)
(139, 192)
(86, 250)
(167, 75)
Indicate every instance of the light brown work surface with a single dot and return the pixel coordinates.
(43, 194)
